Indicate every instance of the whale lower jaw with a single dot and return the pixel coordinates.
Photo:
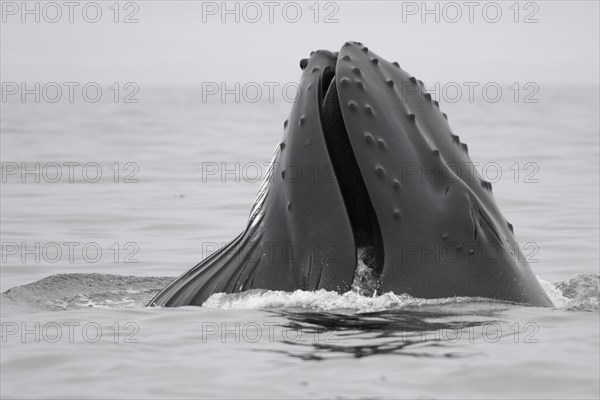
(350, 187)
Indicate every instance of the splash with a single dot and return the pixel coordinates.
(322, 300)
(580, 293)
(76, 291)
(365, 282)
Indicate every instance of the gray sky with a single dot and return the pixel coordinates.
(172, 45)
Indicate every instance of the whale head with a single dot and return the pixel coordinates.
(371, 190)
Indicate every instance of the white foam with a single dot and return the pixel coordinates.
(580, 293)
(555, 294)
(364, 282)
(322, 300)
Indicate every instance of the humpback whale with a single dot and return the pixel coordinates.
(371, 190)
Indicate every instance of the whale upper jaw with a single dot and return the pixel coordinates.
(369, 174)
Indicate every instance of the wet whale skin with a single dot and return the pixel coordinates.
(368, 164)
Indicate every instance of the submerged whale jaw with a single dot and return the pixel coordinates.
(357, 120)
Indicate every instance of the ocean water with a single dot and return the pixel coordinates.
(82, 255)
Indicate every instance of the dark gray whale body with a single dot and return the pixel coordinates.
(370, 181)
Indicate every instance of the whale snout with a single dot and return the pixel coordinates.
(379, 204)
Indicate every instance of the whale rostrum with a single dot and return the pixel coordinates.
(369, 190)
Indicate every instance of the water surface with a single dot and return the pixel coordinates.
(272, 344)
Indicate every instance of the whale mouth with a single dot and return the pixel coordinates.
(398, 217)
(359, 207)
